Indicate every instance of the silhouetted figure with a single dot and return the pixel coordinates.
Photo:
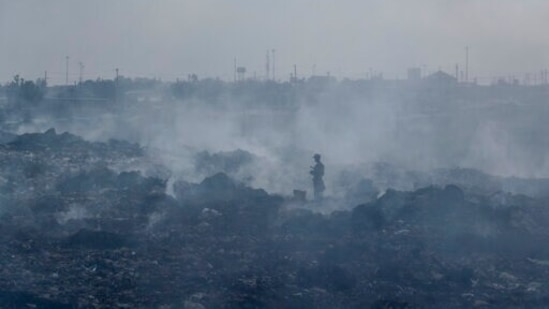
(318, 172)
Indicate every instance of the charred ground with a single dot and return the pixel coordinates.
(81, 229)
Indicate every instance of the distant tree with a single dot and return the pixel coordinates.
(210, 90)
(104, 88)
(23, 97)
(141, 83)
(264, 93)
(100, 88)
(193, 78)
(25, 92)
(31, 92)
(183, 90)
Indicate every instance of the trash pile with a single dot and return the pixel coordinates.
(80, 229)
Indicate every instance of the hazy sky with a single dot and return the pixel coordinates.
(170, 39)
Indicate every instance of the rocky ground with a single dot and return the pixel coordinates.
(81, 229)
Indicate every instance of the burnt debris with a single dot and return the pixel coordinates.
(76, 231)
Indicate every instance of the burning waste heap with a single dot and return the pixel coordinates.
(82, 227)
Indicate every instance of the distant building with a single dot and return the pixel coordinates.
(440, 78)
(414, 74)
(241, 73)
(321, 81)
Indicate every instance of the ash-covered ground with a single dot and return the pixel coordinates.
(143, 194)
(101, 225)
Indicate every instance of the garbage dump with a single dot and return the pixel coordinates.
(79, 232)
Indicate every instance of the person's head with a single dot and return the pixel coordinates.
(316, 157)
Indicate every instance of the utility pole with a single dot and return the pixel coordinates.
(466, 64)
(67, 70)
(81, 65)
(116, 86)
(273, 63)
(267, 66)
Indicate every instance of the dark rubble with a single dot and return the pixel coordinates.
(77, 233)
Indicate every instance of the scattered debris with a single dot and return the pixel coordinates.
(75, 232)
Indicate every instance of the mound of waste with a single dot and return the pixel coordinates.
(51, 141)
(226, 161)
(78, 232)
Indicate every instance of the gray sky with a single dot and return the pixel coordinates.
(170, 39)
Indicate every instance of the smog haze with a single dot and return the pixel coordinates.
(350, 38)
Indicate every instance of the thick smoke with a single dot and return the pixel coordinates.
(355, 128)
